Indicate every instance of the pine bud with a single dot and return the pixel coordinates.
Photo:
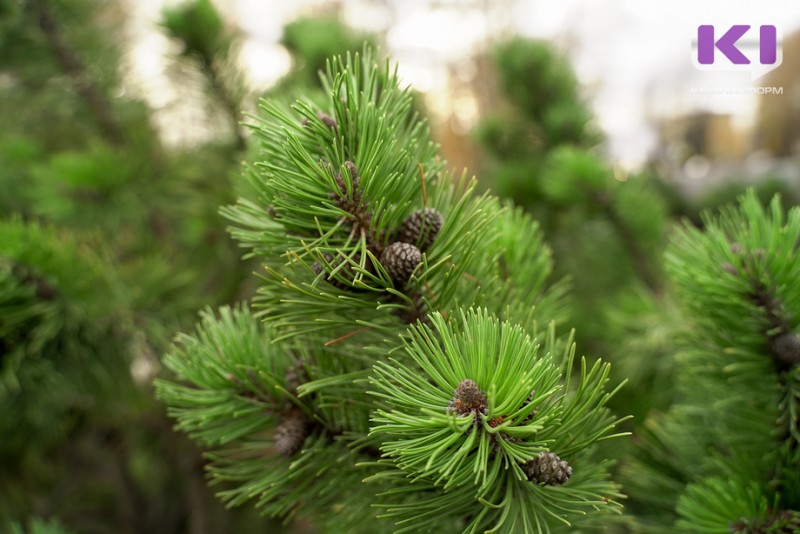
(240, 388)
(326, 119)
(786, 348)
(531, 415)
(291, 433)
(547, 468)
(468, 398)
(354, 178)
(729, 268)
(43, 289)
(295, 375)
(400, 260)
(353, 206)
(420, 228)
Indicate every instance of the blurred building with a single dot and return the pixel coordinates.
(778, 122)
(709, 135)
(700, 150)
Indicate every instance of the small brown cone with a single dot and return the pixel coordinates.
(548, 468)
(468, 398)
(400, 260)
(421, 228)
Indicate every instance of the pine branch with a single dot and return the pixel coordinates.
(333, 400)
(467, 403)
(737, 279)
(784, 344)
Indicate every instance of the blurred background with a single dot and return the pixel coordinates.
(633, 65)
(122, 134)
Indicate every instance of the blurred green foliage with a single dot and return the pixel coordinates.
(312, 41)
(198, 26)
(541, 109)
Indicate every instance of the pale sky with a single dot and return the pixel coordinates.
(633, 56)
(629, 49)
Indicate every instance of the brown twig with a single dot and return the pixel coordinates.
(346, 336)
(424, 189)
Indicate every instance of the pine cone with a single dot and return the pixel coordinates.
(400, 260)
(468, 398)
(421, 228)
(291, 433)
(549, 469)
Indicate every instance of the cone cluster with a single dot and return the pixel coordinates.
(413, 237)
(420, 228)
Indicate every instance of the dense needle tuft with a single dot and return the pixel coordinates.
(344, 269)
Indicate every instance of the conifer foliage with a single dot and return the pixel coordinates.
(725, 457)
(400, 369)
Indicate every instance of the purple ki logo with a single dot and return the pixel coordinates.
(742, 47)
